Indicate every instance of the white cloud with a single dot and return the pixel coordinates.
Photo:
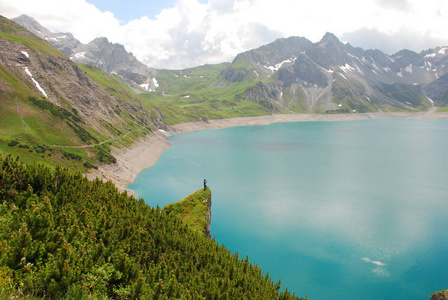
(402, 5)
(193, 33)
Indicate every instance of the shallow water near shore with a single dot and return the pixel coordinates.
(340, 210)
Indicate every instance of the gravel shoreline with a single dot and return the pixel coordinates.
(145, 152)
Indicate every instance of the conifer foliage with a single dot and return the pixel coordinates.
(63, 236)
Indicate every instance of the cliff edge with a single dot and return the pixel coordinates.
(194, 210)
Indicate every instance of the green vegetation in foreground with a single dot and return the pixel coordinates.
(65, 237)
(192, 210)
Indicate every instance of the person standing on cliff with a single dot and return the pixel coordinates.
(205, 184)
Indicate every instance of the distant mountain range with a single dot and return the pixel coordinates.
(331, 76)
(288, 75)
(106, 56)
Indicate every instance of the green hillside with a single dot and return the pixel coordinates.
(192, 210)
(85, 113)
(65, 237)
(203, 93)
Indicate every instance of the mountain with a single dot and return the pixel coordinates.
(295, 75)
(330, 75)
(289, 75)
(108, 57)
(55, 111)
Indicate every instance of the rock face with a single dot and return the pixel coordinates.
(108, 57)
(208, 217)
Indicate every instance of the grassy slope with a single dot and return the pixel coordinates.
(22, 121)
(200, 93)
(192, 210)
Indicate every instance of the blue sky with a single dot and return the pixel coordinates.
(129, 10)
(178, 34)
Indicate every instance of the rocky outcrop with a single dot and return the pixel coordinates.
(195, 211)
(441, 295)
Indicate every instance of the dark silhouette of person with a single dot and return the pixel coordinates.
(205, 184)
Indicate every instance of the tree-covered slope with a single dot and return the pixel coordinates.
(63, 236)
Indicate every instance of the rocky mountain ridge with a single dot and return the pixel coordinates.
(289, 75)
(106, 56)
(330, 75)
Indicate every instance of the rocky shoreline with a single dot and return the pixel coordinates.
(145, 152)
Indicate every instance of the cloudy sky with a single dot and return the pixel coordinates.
(186, 33)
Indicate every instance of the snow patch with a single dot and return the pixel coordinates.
(387, 69)
(430, 100)
(279, 65)
(35, 82)
(329, 71)
(346, 68)
(145, 86)
(430, 55)
(368, 99)
(25, 53)
(343, 76)
(409, 69)
(359, 69)
(185, 97)
(400, 74)
(156, 84)
(376, 67)
(443, 50)
(256, 73)
(78, 55)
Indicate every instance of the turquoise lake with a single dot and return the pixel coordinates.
(336, 210)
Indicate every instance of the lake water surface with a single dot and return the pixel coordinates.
(336, 210)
